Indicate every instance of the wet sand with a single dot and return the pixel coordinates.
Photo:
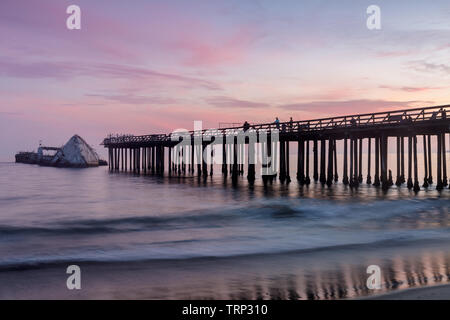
(340, 274)
(441, 292)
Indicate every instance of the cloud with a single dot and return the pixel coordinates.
(227, 102)
(201, 51)
(425, 66)
(8, 113)
(135, 99)
(350, 106)
(411, 89)
(66, 70)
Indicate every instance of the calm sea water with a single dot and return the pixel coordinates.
(306, 242)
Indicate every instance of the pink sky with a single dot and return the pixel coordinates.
(154, 66)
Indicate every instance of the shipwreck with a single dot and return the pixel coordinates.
(76, 153)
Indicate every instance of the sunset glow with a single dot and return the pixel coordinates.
(155, 66)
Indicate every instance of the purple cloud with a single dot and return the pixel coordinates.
(135, 99)
(226, 102)
(66, 70)
(350, 106)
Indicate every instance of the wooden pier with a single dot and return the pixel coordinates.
(190, 152)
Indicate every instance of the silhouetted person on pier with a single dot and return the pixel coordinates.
(246, 126)
(277, 123)
(353, 122)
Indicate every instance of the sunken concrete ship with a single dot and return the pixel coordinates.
(76, 153)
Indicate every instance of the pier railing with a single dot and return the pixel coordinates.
(395, 117)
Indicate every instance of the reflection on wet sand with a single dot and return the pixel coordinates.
(308, 282)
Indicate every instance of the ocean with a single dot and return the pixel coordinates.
(149, 237)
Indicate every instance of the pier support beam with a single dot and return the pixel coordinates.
(416, 174)
(402, 159)
(329, 179)
(351, 176)
(377, 162)
(204, 164)
(369, 155)
(109, 158)
(398, 181)
(360, 177)
(315, 161)
(234, 173)
(439, 184)
(282, 161)
(307, 178)
(153, 160)
(384, 162)
(336, 175)
(264, 162)
(430, 168)
(444, 162)
(344, 170)
(425, 162)
(288, 175)
(169, 161)
(211, 167)
(224, 157)
(409, 182)
(251, 162)
(322, 178)
(356, 164)
(192, 156)
(300, 161)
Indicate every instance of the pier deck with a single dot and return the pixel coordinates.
(147, 153)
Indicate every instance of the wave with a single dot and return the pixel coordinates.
(117, 257)
(317, 213)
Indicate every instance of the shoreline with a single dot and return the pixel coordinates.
(434, 292)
